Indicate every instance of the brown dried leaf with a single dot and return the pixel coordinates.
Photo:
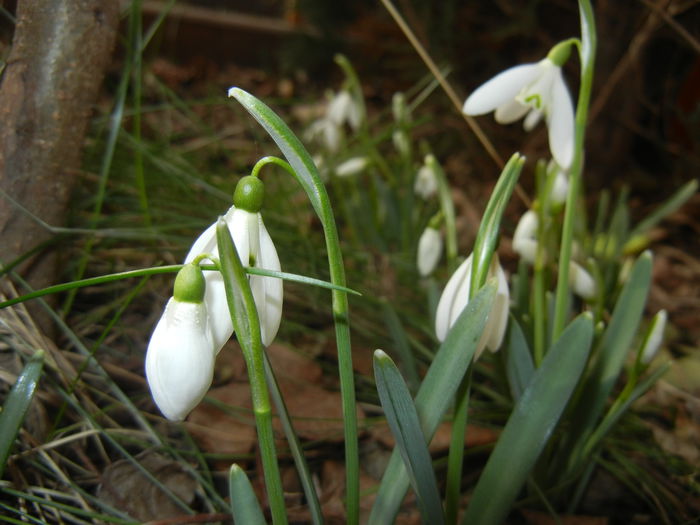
(222, 432)
(126, 488)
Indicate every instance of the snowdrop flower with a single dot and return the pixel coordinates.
(429, 250)
(560, 188)
(343, 108)
(426, 183)
(532, 91)
(327, 131)
(180, 355)
(255, 248)
(654, 337)
(581, 281)
(455, 298)
(525, 237)
(352, 166)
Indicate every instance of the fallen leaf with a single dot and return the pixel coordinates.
(126, 488)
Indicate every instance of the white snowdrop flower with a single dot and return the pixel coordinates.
(327, 131)
(429, 251)
(454, 300)
(255, 248)
(654, 337)
(352, 166)
(532, 91)
(560, 188)
(426, 183)
(180, 355)
(343, 108)
(525, 237)
(581, 281)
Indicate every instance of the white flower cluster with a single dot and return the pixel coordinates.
(197, 323)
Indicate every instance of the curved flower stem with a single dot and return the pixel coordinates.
(246, 323)
(448, 212)
(587, 49)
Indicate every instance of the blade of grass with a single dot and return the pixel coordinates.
(17, 404)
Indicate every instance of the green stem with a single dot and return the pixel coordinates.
(587, 49)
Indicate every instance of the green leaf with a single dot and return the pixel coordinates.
(403, 420)
(519, 364)
(245, 508)
(435, 396)
(614, 346)
(17, 404)
(529, 427)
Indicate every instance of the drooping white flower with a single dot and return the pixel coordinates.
(426, 183)
(581, 281)
(654, 337)
(352, 166)
(454, 300)
(429, 251)
(256, 249)
(343, 108)
(535, 90)
(525, 236)
(329, 132)
(180, 355)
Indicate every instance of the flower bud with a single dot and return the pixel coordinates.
(429, 251)
(180, 358)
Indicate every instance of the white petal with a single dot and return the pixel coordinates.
(244, 231)
(500, 89)
(217, 309)
(655, 337)
(426, 183)
(581, 281)
(332, 135)
(525, 236)
(560, 120)
(339, 108)
(454, 299)
(352, 166)
(180, 359)
(560, 188)
(206, 242)
(267, 291)
(511, 111)
(498, 318)
(429, 251)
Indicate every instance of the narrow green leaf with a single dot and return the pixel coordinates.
(519, 364)
(530, 425)
(403, 421)
(435, 396)
(615, 345)
(17, 405)
(295, 447)
(245, 508)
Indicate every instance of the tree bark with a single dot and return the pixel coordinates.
(60, 51)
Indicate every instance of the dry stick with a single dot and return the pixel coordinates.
(476, 129)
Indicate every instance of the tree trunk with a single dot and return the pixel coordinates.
(59, 54)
